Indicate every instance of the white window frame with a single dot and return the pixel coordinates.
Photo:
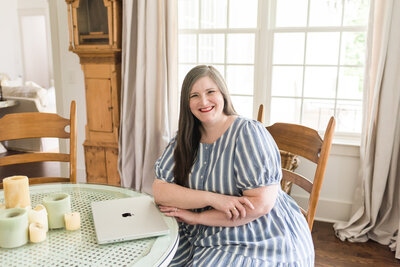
(224, 31)
(263, 52)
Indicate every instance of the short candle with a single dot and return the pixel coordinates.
(37, 232)
(16, 192)
(57, 205)
(39, 215)
(72, 221)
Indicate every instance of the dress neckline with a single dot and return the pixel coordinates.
(226, 131)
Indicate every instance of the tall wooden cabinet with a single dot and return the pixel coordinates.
(95, 36)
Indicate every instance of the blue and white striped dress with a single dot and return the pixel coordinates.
(244, 157)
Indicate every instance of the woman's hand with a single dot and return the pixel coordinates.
(231, 206)
(181, 215)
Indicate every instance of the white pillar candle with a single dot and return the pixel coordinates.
(37, 232)
(16, 192)
(13, 227)
(72, 221)
(39, 215)
(57, 205)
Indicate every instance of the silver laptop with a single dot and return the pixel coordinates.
(127, 219)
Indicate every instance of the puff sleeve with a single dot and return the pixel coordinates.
(164, 167)
(257, 160)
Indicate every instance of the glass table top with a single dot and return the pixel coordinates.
(80, 248)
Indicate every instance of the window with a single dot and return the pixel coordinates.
(303, 59)
(221, 33)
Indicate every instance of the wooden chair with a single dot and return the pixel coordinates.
(307, 143)
(289, 161)
(38, 125)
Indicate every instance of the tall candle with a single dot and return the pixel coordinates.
(57, 205)
(72, 221)
(13, 227)
(37, 232)
(39, 215)
(16, 192)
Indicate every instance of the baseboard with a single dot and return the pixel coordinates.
(328, 210)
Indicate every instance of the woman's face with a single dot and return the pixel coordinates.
(206, 101)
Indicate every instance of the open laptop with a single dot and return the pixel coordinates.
(127, 219)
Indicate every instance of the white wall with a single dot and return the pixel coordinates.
(68, 77)
(10, 52)
(338, 187)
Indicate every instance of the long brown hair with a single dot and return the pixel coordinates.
(188, 137)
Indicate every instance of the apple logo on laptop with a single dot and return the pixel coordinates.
(127, 214)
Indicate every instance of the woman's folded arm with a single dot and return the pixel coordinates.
(176, 196)
(168, 194)
(262, 198)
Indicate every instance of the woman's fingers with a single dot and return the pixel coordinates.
(242, 211)
(167, 209)
(235, 213)
(240, 207)
(245, 201)
(228, 214)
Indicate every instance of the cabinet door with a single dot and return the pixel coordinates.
(96, 170)
(112, 166)
(99, 107)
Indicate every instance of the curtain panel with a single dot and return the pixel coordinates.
(149, 92)
(377, 205)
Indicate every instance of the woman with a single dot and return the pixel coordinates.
(220, 177)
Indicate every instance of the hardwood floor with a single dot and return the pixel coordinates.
(330, 251)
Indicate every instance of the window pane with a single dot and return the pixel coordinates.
(213, 13)
(285, 110)
(356, 12)
(288, 48)
(351, 83)
(240, 79)
(221, 69)
(320, 82)
(211, 48)
(287, 81)
(349, 116)
(325, 12)
(295, 16)
(188, 14)
(187, 48)
(322, 48)
(240, 48)
(243, 105)
(353, 48)
(243, 14)
(316, 113)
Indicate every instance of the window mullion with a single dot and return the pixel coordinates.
(262, 62)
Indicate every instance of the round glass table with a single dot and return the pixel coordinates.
(80, 248)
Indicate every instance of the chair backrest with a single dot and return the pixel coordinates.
(37, 125)
(307, 143)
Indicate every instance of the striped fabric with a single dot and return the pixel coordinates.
(244, 157)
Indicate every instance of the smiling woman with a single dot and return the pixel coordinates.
(207, 104)
(214, 178)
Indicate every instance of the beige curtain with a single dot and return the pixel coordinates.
(377, 205)
(149, 88)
